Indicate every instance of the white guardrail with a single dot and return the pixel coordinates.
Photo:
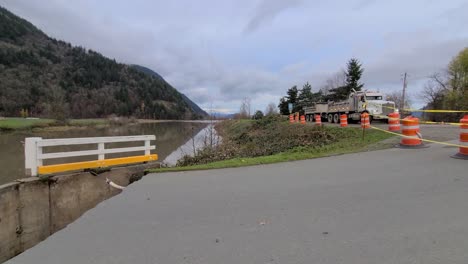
(34, 156)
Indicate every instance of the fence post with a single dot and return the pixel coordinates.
(147, 145)
(30, 155)
(101, 148)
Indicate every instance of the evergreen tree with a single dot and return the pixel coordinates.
(283, 106)
(339, 93)
(292, 94)
(293, 98)
(353, 75)
(258, 115)
(305, 96)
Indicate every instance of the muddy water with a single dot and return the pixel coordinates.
(170, 136)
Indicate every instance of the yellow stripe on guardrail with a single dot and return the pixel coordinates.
(94, 164)
(425, 140)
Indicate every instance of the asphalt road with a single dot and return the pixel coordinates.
(387, 206)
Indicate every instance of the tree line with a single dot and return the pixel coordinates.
(336, 88)
(448, 89)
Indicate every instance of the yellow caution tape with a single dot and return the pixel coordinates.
(425, 140)
(436, 111)
(428, 122)
(429, 111)
(441, 123)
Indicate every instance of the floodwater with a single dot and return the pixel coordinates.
(173, 140)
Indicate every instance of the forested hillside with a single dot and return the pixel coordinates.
(189, 102)
(51, 78)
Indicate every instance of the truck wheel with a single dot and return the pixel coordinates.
(330, 118)
(336, 118)
(307, 118)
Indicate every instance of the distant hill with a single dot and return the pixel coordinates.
(190, 103)
(222, 115)
(52, 78)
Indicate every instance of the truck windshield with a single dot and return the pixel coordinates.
(374, 97)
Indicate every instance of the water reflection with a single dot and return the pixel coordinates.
(205, 137)
(169, 137)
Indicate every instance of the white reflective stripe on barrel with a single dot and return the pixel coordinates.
(394, 125)
(411, 137)
(409, 127)
(463, 143)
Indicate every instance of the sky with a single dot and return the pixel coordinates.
(218, 52)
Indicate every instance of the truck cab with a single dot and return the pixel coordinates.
(372, 103)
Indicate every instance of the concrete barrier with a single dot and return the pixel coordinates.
(10, 244)
(32, 209)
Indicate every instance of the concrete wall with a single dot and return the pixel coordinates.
(9, 221)
(32, 209)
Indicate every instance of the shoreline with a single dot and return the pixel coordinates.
(13, 124)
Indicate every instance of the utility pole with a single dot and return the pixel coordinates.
(402, 106)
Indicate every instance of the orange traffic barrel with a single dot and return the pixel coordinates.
(410, 130)
(318, 120)
(463, 152)
(365, 121)
(291, 118)
(394, 121)
(343, 120)
(303, 119)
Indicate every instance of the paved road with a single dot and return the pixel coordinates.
(388, 206)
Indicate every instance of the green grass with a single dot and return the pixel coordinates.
(13, 123)
(372, 141)
(23, 123)
(88, 122)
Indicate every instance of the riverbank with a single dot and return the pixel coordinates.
(14, 124)
(10, 124)
(248, 142)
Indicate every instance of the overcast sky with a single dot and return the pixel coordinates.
(219, 51)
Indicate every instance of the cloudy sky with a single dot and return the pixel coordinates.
(219, 51)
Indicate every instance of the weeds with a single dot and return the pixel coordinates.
(266, 137)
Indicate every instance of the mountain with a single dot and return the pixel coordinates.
(189, 102)
(194, 106)
(147, 71)
(52, 78)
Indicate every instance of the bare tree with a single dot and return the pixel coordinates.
(245, 108)
(431, 92)
(249, 107)
(338, 79)
(397, 97)
(271, 109)
(440, 79)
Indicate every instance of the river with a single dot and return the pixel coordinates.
(173, 139)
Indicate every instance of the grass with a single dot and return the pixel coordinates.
(13, 123)
(372, 141)
(88, 122)
(23, 123)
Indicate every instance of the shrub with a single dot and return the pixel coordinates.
(263, 137)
